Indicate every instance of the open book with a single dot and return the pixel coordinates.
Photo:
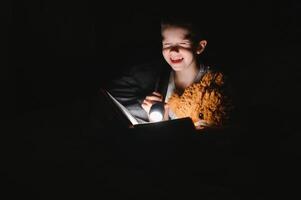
(132, 122)
(123, 109)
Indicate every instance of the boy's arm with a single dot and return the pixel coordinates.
(131, 89)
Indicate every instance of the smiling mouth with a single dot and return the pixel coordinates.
(176, 60)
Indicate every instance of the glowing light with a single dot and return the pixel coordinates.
(155, 116)
(156, 112)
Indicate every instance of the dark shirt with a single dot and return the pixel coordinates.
(139, 81)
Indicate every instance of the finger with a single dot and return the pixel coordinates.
(153, 98)
(146, 105)
(200, 127)
(157, 94)
(147, 102)
(166, 106)
(166, 112)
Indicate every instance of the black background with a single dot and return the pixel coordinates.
(64, 50)
(61, 52)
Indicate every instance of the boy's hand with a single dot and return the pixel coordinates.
(150, 100)
(154, 98)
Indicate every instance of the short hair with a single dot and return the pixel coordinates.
(187, 22)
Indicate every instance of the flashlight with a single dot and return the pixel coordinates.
(156, 112)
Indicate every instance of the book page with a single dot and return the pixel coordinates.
(134, 121)
(124, 110)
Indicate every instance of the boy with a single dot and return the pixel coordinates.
(143, 86)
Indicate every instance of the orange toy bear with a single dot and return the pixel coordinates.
(205, 102)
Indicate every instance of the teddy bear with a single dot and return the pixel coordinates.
(205, 102)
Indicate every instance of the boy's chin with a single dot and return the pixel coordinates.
(177, 67)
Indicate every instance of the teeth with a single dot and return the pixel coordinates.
(176, 59)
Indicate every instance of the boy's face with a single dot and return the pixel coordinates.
(177, 49)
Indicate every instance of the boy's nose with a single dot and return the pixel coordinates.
(174, 48)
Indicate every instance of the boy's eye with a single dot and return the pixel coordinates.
(182, 44)
(185, 43)
(166, 45)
